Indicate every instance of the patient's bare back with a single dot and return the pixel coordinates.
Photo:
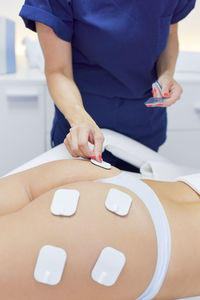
(90, 229)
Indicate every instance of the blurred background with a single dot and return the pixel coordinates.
(26, 108)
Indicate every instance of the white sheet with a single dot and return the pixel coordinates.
(152, 165)
(57, 153)
(165, 171)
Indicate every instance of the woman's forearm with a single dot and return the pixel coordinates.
(167, 60)
(59, 74)
(67, 98)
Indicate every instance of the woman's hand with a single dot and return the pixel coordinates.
(171, 90)
(77, 140)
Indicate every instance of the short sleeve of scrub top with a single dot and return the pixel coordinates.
(56, 14)
(182, 10)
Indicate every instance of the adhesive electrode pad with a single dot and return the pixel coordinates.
(118, 202)
(108, 266)
(154, 101)
(65, 202)
(50, 265)
(102, 164)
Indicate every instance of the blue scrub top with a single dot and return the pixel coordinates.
(115, 43)
(115, 46)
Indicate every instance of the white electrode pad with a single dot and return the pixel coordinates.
(108, 266)
(65, 202)
(102, 164)
(118, 202)
(50, 265)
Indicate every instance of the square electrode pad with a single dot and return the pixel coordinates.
(154, 101)
(108, 266)
(65, 202)
(50, 265)
(102, 164)
(118, 202)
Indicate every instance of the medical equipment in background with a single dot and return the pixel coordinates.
(7, 46)
(34, 54)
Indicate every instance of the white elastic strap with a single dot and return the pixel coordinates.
(161, 225)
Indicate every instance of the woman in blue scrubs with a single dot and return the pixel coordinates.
(101, 58)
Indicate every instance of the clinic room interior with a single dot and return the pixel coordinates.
(56, 168)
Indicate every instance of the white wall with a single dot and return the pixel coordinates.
(10, 9)
(189, 28)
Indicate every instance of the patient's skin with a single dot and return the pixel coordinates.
(29, 225)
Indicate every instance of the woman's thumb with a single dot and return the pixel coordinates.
(165, 90)
(98, 145)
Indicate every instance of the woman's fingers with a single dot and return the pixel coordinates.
(68, 143)
(171, 90)
(157, 93)
(77, 141)
(165, 91)
(74, 144)
(98, 144)
(175, 92)
(83, 140)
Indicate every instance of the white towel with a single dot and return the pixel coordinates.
(58, 153)
(164, 171)
(192, 180)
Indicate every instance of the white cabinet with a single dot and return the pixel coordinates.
(183, 136)
(49, 117)
(22, 119)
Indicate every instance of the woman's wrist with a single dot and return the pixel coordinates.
(169, 74)
(78, 115)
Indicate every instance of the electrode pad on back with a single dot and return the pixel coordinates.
(50, 265)
(108, 266)
(65, 202)
(102, 164)
(118, 202)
